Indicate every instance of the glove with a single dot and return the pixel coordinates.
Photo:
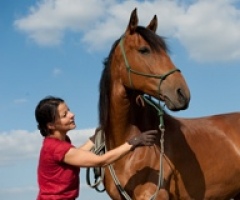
(146, 138)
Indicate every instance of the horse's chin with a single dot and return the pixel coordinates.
(173, 106)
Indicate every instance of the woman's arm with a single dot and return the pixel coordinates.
(90, 143)
(82, 158)
(87, 146)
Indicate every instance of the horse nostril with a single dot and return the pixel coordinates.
(181, 97)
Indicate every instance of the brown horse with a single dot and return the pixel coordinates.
(201, 157)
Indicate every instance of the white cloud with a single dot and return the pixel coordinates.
(47, 21)
(18, 190)
(19, 178)
(210, 32)
(204, 28)
(20, 144)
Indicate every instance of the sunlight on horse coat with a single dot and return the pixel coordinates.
(201, 159)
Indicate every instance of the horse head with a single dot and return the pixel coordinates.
(144, 65)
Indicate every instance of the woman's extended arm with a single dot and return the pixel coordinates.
(83, 158)
(87, 146)
(91, 142)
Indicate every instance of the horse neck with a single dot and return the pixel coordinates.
(127, 118)
(119, 127)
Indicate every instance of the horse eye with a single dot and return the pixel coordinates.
(144, 50)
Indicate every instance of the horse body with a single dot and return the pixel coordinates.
(205, 156)
(201, 157)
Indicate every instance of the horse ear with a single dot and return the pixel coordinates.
(133, 22)
(153, 24)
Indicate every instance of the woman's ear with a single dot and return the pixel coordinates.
(50, 126)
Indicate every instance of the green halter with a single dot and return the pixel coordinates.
(160, 114)
(161, 77)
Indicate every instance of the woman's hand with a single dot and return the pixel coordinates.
(146, 138)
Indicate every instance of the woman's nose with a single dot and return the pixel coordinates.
(72, 115)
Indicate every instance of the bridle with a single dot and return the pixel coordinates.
(160, 111)
(130, 70)
(161, 123)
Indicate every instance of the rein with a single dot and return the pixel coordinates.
(161, 128)
(161, 167)
(101, 148)
(157, 76)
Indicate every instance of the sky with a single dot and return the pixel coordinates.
(57, 47)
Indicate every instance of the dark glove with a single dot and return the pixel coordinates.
(146, 138)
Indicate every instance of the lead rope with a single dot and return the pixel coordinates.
(161, 167)
(117, 183)
(98, 149)
(98, 178)
(162, 129)
(101, 147)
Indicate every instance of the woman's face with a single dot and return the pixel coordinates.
(65, 119)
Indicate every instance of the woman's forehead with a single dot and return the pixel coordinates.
(62, 107)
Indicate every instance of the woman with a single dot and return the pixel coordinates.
(60, 162)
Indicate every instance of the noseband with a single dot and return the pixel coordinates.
(157, 76)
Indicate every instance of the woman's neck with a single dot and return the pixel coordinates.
(58, 135)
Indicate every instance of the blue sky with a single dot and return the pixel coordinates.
(56, 47)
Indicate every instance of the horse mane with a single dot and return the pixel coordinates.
(156, 43)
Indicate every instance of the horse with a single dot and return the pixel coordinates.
(193, 158)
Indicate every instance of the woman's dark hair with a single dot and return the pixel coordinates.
(46, 112)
